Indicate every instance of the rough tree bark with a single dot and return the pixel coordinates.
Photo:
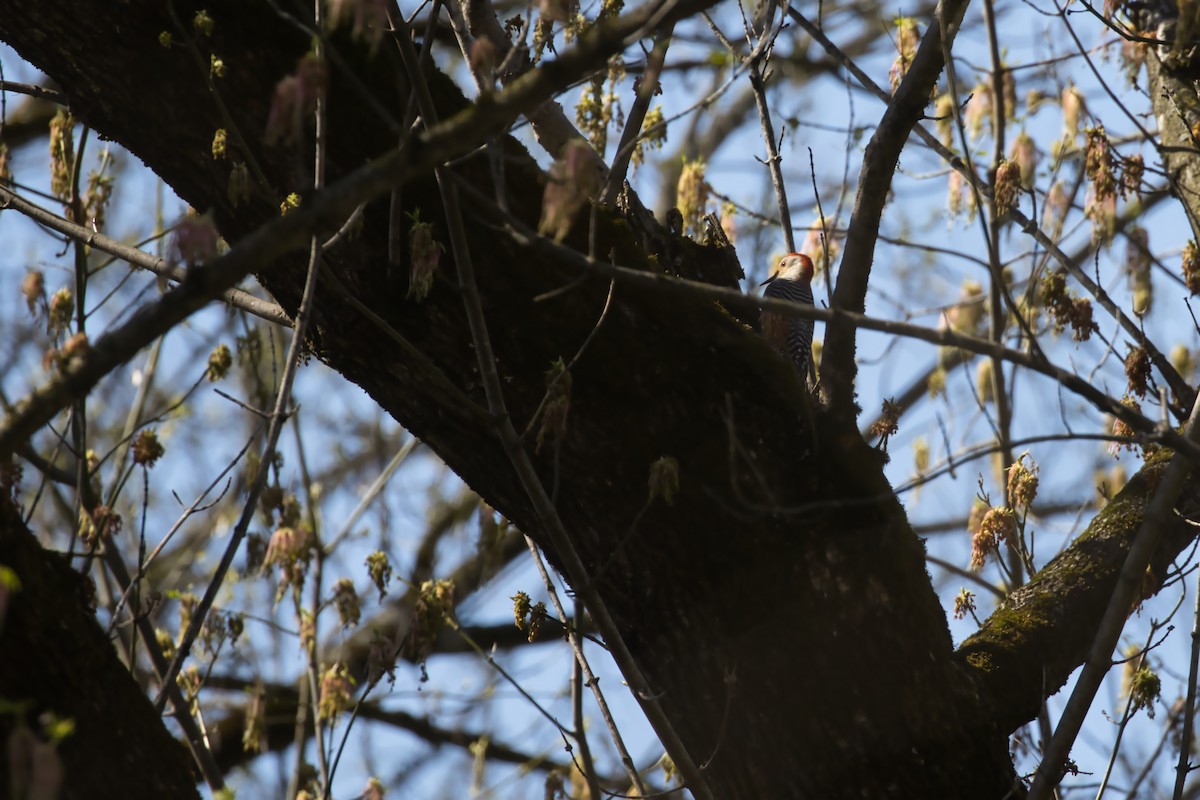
(779, 605)
(55, 658)
(1172, 72)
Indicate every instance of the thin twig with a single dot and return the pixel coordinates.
(581, 666)
(1126, 716)
(373, 491)
(966, 574)
(757, 67)
(998, 293)
(138, 258)
(1183, 768)
(578, 354)
(577, 718)
(299, 737)
(33, 90)
(132, 420)
(958, 523)
(79, 406)
(183, 517)
(320, 143)
(812, 171)
(346, 229)
(968, 454)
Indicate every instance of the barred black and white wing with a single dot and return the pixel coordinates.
(790, 335)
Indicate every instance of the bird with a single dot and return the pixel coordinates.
(791, 280)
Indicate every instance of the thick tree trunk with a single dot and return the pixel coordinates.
(779, 605)
(1171, 72)
(55, 659)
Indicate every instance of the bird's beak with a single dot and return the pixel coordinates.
(768, 280)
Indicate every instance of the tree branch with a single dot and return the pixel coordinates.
(838, 370)
(328, 209)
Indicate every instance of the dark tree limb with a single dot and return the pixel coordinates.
(907, 108)
(57, 659)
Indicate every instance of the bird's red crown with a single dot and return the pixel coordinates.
(795, 267)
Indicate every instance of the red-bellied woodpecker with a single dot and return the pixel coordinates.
(792, 336)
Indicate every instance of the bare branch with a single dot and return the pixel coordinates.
(33, 90)
(264, 309)
(903, 113)
(647, 88)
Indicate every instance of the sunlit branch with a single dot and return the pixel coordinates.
(1159, 510)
